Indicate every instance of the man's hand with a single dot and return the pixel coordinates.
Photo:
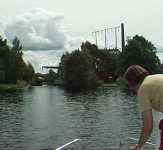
(147, 126)
(134, 148)
(146, 129)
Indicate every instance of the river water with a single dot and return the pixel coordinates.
(44, 118)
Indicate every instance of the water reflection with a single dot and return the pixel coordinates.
(11, 120)
(48, 117)
(105, 116)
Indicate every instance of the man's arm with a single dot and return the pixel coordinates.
(147, 126)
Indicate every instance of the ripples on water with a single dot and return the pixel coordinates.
(47, 117)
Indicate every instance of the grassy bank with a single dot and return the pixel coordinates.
(20, 86)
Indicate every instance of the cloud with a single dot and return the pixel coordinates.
(3, 24)
(38, 29)
(43, 35)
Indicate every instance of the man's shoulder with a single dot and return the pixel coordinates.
(153, 79)
(151, 82)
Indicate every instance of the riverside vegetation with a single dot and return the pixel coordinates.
(15, 74)
(90, 66)
(84, 68)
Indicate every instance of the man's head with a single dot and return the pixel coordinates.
(134, 75)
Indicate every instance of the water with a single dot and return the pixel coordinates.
(47, 117)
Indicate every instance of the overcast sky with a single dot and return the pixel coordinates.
(46, 26)
(81, 17)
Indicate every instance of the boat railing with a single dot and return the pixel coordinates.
(65, 146)
(68, 144)
(121, 146)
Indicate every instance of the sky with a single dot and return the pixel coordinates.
(51, 25)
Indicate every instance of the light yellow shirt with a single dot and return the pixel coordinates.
(150, 93)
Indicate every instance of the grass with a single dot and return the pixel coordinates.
(20, 86)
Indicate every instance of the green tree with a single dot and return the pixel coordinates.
(27, 72)
(78, 71)
(141, 52)
(22, 71)
(14, 66)
(105, 61)
(51, 77)
(3, 42)
(16, 62)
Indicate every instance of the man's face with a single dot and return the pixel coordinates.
(132, 87)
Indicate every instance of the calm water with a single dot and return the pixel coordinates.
(47, 117)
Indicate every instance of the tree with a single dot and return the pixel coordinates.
(141, 52)
(27, 72)
(3, 42)
(51, 77)
(14, 66)
(104, 61)
(78, 71)
(16, 63)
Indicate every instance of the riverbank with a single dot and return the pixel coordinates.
(110, 84)
(14, 87)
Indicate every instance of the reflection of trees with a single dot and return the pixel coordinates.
(11, 120)
(11, 97)
(102, 115)
(85, 114)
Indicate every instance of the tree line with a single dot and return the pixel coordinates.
(84, 68)
(89, 66)
(13, 68)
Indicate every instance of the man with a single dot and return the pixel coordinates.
(149, 89)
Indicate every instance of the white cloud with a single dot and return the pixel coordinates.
(38, 29)
(43, 35)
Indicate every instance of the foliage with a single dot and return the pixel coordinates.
(16, 45)
(85, 68)
(78, 70)
(141, 52)
(26, 72)
(51, 77)
(14, 66)
(3, 42)
(105, 61)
